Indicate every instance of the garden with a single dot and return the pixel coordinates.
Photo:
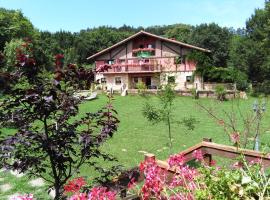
(55, 144)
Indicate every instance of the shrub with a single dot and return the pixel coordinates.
(242, 85)
(50, 142)
(241, 181)
(261, 88)
(194, 93)
(141, 88)
(220, 92)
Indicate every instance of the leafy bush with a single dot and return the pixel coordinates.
(220, 92)
(242, 85)
(141, 88)
(194, 93)
(50, 142)
(242, 180)
(261, 88)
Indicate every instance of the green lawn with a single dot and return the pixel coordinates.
(136, 135)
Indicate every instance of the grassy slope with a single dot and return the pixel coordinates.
(136, 134)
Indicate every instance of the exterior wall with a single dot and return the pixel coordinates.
(128, 80)
(121, 52)
(99, 76)
(180, 79)
(110, 79)
(212, 86)
(126, 66)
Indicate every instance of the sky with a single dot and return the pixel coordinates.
(74, 15)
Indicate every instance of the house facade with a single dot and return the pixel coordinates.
(148, 58)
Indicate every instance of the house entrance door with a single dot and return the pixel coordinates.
(147, 81)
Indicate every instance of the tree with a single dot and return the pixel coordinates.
(89, 42)
(164, 112)
(51, 141)
(180, 32)
(14, 25)
(251, 52)
(214, 38)
(10, 53)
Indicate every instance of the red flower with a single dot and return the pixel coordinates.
(59, 60)
(131, 183)
(213, 163)
(75, 185)
(101, 193)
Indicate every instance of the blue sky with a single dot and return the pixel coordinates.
(74, 15)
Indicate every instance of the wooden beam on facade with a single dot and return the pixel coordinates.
(171, 49)
(118, 52)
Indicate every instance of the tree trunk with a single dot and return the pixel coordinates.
(170, 135)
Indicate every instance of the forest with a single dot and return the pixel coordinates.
(237, 55)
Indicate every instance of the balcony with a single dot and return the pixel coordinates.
(133, 66)
(145, 65)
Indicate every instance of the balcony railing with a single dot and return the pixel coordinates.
(134, 65)
(143, 68)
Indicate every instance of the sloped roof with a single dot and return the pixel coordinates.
(148, 34)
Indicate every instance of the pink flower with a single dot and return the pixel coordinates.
(213, 163)
(237, 165)
(81, 196)
(176, 160)
(235, 137)
(24, 197)
(198, 155)
(155, 179)
(101, 193)
(131, 183)
(256, 161)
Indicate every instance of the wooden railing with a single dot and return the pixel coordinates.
(122, 68)
(208, 149)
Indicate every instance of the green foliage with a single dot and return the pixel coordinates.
(89, 42)
(261, 88)
(10, 53)
(151, 113)
(246, 181)
(14, 25)
(141, 88)
(180, 32)
(164, 112)
(178, 60)
(70, 55)
(250, 52)
(189, 122)
(215, 38)
(220, 92)
(194, 93)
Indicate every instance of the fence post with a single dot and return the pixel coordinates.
(149, 156)
(207, 139)
(207, 157)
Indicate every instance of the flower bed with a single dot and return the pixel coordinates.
(177, 180)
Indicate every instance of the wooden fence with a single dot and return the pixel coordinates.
(208, 149)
